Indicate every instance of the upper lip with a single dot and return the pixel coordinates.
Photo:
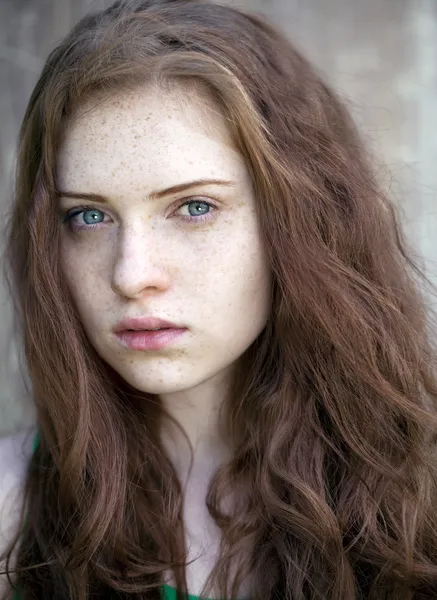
(141, 323)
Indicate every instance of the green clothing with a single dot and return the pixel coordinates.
(167, 592)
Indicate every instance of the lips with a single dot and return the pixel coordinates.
(141, 334)
(144, 324)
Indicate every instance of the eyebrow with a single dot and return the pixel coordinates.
(156, 195)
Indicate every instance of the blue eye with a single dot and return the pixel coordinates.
(91, 216)
(196, 203)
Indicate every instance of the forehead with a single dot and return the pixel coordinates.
(122, 139)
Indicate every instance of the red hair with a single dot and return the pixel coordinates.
(333, 415)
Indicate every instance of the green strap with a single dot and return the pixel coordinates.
(36, 441)
(169, 593)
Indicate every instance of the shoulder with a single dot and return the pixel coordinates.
(15, 454)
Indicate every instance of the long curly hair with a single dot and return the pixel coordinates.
(333, 416)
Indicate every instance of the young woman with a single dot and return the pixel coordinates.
(230, 357)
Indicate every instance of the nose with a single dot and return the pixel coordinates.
(138, 265)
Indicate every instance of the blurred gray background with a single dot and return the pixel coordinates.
(380, 55)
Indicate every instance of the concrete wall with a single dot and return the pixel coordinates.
(381, 55)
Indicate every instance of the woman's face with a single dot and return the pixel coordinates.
(192, 257)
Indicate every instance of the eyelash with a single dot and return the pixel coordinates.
(78, 210)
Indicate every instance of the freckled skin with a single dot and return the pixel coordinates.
(146, 260)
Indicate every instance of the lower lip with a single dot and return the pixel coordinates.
(149, 340)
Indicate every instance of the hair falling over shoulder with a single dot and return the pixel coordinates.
(333, 417)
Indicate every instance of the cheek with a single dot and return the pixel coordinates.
(84, 276)
(237, 279)
(256, 281)
(72, 272)
(85, 258)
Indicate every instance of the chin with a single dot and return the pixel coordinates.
(159, 384)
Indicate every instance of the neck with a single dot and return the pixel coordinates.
(198, 412)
